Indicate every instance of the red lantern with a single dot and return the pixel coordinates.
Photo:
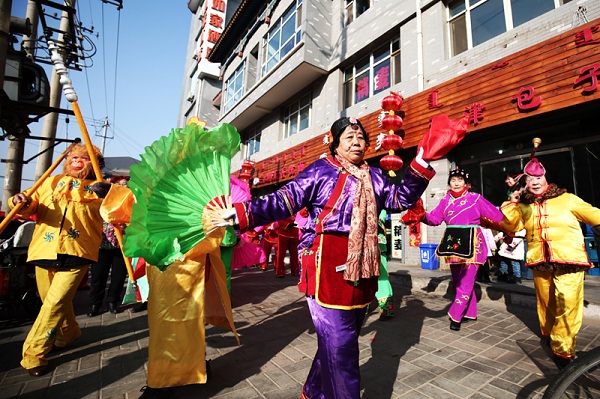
(391, 142)
(391, 122)
(391, 163)
(393, 102)
(247, 167)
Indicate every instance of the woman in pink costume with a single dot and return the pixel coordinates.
(463, 245)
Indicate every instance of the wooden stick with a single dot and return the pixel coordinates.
(37, 184)
(71, 95)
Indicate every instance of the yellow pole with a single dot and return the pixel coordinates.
(127, 262)
(71, 95)
(37, 184)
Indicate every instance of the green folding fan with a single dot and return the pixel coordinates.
(178, 176)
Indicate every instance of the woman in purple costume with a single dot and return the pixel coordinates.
(463, 245)
(339, 251)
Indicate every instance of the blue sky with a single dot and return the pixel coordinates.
(135, 81)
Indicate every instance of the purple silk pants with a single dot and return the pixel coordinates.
(465, 301)
(335, 372)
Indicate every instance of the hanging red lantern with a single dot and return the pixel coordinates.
(391, 163)
(391, 142)
(393, 102)
(391, 122)
(246, 172)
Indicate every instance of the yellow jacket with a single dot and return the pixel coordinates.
(68, 218)
(554, 221)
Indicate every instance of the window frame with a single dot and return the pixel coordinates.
(251, 143)
(295, 111)
(272, 56)
(461, 22)
(238, 92)
(368, 66)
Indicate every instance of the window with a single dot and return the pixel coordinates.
(234, 87)
(282, 38)
(296, 116)
(373, 74)
(355, 8)
(252, 143)
(472, 22)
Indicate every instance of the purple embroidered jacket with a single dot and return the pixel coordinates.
(468, 209)
(313, 187)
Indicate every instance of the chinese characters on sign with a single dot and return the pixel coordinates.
(586, 36)
(396, 236)
(212, 25)
(525, 100)
(591, 73)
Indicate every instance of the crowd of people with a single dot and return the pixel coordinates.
(337, 253)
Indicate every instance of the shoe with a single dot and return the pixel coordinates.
(156, 393)
(140, 308)
(510, 280)
(503, 278)
(517, 280)
(280, 276)
(113, 308)
(38, 371)
(466, 319)
(562, 362)
(93, 311)
(454, 325)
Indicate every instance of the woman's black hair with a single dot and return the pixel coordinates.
(458, 172)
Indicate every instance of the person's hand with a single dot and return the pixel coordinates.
(20, 197)
(101, 188)
(515, 196)
(230, 215)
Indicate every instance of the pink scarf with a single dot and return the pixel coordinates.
(363, 252)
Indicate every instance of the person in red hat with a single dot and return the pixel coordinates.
(556, 253)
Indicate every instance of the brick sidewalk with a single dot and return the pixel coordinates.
(413, 355)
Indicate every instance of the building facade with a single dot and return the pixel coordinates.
(516, 69)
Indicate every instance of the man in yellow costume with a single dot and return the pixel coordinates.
(556, 253)
(65, 242)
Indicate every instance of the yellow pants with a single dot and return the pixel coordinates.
(55, 324)
(560, 308)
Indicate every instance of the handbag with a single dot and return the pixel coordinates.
(457, 241)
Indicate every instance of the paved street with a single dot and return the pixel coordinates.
(413, 355)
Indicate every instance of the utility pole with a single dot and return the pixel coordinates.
(106, 124)
(12, 179)
(16, 145)
(51, 119)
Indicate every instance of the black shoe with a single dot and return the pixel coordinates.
(503, 278)
(454, 325)
(466, 319)
(94, 310)
(208, 371)
(38, 371)
(113, 308)
(156, 393)
(562, 362)
(140, 308)
(517, 280)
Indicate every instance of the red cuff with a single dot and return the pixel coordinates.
(427, 173)
(242, 216)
